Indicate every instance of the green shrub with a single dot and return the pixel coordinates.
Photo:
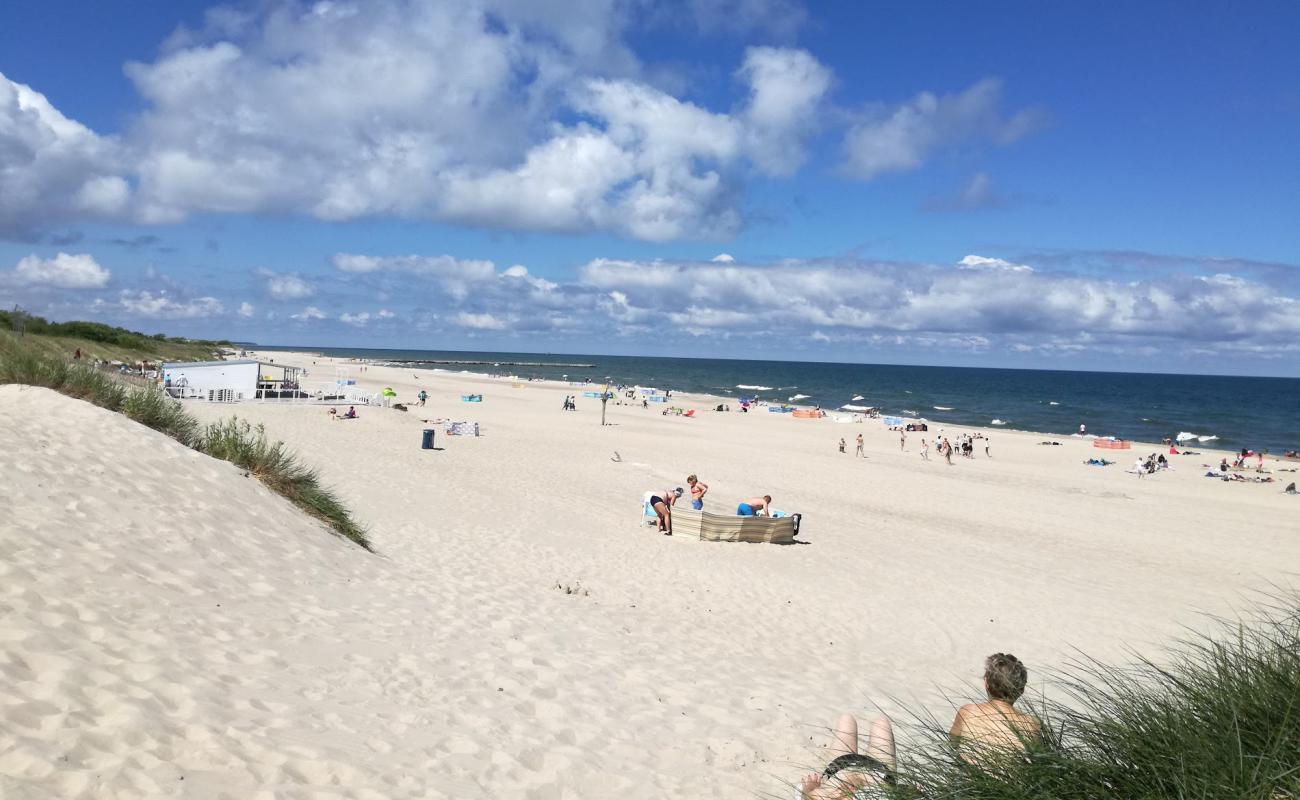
(236, 441)
(153, 407)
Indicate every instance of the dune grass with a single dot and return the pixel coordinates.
(246, 446)
(233, 440)
(1217, 717)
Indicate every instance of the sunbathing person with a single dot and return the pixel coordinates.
(754, 505)
(662, 503)
(983, 730)
(850, 775)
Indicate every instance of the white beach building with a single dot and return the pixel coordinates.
(230, 381)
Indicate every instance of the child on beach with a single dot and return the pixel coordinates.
(698, 491)
(842, 450)
(925, 451)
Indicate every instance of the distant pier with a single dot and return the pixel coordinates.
(408, 361)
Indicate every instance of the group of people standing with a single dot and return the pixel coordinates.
(663, 501)
(965, 446)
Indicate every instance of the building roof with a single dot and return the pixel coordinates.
(191, 364)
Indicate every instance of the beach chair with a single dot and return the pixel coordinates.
(648, 515)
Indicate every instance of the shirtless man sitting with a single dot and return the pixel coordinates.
(754, 505)
(996, 725)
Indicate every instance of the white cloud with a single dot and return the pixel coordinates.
(977, 304)
(163, 305)
(994, 264)
(786, 88)
(384, 313)
(723, 258)
(246, 309)
(308, 313)
(902, 138)
(480, 322)
(287, 287)
(980, 301)
(496, 113)
(64, 271)
(358, 320)
(52, 168)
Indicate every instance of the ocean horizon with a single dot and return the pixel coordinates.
(1228, 412)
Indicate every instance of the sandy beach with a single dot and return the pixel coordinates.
(173, 629)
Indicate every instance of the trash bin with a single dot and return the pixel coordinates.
(427, 442)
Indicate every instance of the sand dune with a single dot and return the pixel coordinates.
(173, 629)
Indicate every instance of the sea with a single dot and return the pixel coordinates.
(1203, 410)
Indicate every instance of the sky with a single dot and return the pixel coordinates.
(1003, 184)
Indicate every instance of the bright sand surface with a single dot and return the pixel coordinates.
(170, 628)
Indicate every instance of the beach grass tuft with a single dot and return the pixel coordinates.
(248, 447)
(233, 440)
(152, 407)
(1217, 717)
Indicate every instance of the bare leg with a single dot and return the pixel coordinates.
(845, 740)
(880, 744)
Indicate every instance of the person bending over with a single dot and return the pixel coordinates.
(756, 507)
(662, 503)
(995, 727)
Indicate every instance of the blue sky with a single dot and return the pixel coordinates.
(1004, 184)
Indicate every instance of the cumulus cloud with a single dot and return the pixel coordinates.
(986, 263)
(287, 287)
(161, 305)
(53, 168)
(480, 322)
(723, 258)
(977, 303)
(358, 320)
(494, 113)
(64, 271)
(309, 313)
(246, 309)
(786, 88)
(900, 139)
(979, 297)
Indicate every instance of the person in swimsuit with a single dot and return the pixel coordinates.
(988, 730)
(860, 451)
(662, 503)
(752, 507)
(698, 490)
(852, 775)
